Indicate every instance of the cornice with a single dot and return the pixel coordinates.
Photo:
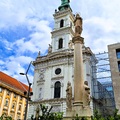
(58, 78)
(11, 88)
(54, 56)
(63, 30)
(54, 100)
(59, 14)
(63, 57)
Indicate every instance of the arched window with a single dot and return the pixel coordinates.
(61, 23)
(57, 89)
(60, 44)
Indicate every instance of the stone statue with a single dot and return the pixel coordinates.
(86, 94)
(78, 25)
(39, 53)
(69, 96)
(50, 48)
(70, 44)
(37, 113)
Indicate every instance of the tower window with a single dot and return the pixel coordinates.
(60, 44)
(118, 53)
(57, 89)
(61, 23)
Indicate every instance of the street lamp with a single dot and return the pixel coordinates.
(29, 93)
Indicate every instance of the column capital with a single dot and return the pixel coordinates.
(78, 39)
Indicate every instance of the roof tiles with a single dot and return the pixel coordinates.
(4, 78)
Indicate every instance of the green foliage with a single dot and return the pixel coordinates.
(47, 115)
(97, 116)
(5, 117)
(79, 118)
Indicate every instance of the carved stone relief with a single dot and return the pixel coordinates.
(41, 74)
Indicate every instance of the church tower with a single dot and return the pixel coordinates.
(53, 71)
(63, 27)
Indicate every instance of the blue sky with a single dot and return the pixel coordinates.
(25, 28)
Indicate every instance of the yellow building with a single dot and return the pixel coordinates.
(12, 99)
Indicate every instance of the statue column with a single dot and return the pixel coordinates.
(81, 91)
(78, 62)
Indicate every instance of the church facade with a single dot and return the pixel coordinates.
(53, 71)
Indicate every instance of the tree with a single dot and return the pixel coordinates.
(47, 115)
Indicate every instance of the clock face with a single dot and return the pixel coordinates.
(57, 71)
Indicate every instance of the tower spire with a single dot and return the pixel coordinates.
(64, 5)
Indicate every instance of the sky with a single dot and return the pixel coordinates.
(26, 25)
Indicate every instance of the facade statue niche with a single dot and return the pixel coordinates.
(50, 48)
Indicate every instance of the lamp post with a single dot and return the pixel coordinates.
(28, 92)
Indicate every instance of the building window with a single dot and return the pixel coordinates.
(0, 89)
(14, 95)
(6, 102)
(119, 66)
(118, 53)
(13, 105)
(19, 108)
(8, 92)
(61, 23)
(60, 44)
(57, 89)
(20, 97)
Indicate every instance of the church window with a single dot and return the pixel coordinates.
(40, 93)
(60, 44)
(57, 71)
(57, 89)
(119, 66)
(61, 23)
(118, 53)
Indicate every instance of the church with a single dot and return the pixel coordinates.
(53, 71)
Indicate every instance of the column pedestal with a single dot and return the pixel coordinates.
(80, 111)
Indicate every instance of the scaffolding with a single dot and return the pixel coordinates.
(103, 96)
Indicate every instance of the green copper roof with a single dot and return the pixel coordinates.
(64, 4)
